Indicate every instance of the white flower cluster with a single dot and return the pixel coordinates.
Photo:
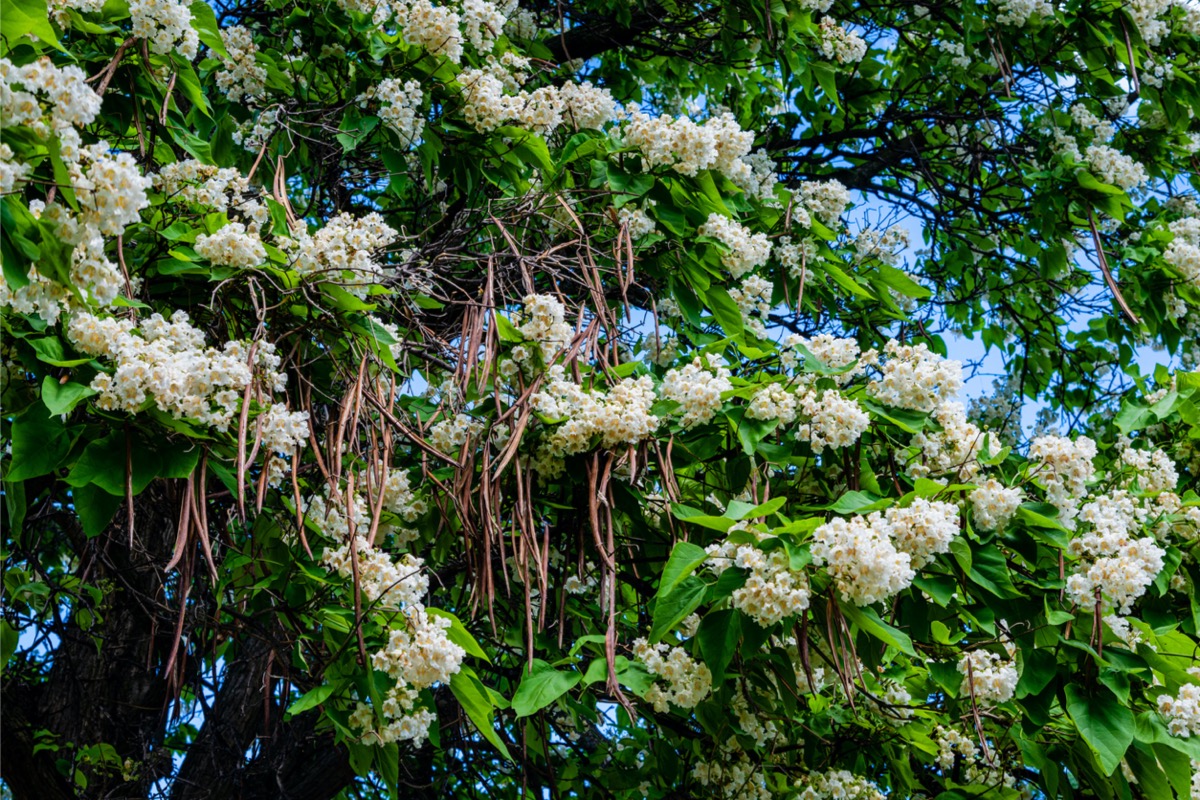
(483, 21)
(886, 246)
(400, 107)
(1155, 470)
(242, 77)
(796, 256)
(1084, 118)
(832, 352)
(282, 430)
(1065, 469)
(916, 378)
(872, 558)
(169, 363)
(957, 52)
(342, 252)
(636, 221)
(837, 784)
(753, 299)
(954, 449)
(109, 189)
(232, 246)
(1183, 253)
(746, 250)
(58, 9)
(697, 387)
(12, 172)
(620, 416)
(221, 189)
(993, 504)
(1149, 15)
(836, 42)
(1113, 166)
(718, 144)
(491, 99)
(1113, 564)
(449, 435)
(254, 133)
(1182, 711)
(923, 529)
(951, 743)
(418, 654)
(68, 101)
(42, 297)
(1019, 12)
(988, 677)
(688, 680)
(863, 561)
(543, 320)
(825, 200)
(773, 401)
(833, 420)
(166, 25)
(733, 777)
(773, 591)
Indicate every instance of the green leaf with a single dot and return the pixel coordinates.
(50, 351)
(27, 17)
(904, 419)
(718, 637)
(724, 310)
(458, 634)
(901, 282)
(205, 23)
(826, 76)
(1105, 724)
(39, 445)
(867, 620)
(9, 638)
(60, 398)
(632, 674)
(541, 687)
(685, 557)
(95, 508)
(1089, 181)
(855, 502)
(1038, 669)
(477, 702)
(670, 610)
(762, 509)
(103, 463)
(989, 569)
(845, 281)
(311, 699)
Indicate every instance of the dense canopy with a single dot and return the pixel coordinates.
(504, 399)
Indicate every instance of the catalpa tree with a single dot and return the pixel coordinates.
(493, 399)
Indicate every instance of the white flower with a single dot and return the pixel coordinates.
(697, 387)
(746, 251)
(989, 678)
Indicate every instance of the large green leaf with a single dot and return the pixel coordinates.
(685, 557)
(867, 620)
(718, 637)
(477, 702)
(669, 611)
(39, 445)
(23, 17)
(541, 686)
(1103, 722)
